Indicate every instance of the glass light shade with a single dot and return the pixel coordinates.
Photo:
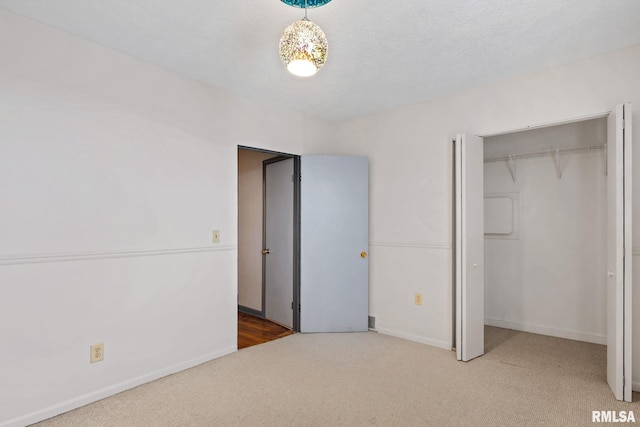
(303, 48)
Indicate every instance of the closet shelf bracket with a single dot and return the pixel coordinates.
(512, 167)
(556, 162)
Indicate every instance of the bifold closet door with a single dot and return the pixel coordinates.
(619, 252)
(469, 201)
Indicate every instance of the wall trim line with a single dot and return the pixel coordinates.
(17, 259)
(442, 246)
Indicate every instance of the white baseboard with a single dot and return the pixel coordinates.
(417, 338)
(77, 402)
(635, 386)
(543, 330)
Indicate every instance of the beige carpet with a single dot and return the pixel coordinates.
(372, 379)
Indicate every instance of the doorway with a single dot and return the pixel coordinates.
(580, 284)
(545, 225)
(545, 255)
(321, 231)
(268, 236)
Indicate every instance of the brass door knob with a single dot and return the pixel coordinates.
(363, 254)
(266, 251)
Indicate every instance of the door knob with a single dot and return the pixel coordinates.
(475, 265)
(363, 254)
(266, 251)
(610, 274)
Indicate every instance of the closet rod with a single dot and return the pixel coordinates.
(544, 153)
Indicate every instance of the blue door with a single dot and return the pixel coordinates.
(334, 263)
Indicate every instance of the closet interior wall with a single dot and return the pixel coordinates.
(545, 232)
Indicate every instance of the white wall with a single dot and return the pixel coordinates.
(250, 213)
(410, 158)
(546, 275)
(113, 174)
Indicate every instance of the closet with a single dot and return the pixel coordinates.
(545, 225)
(543, 222)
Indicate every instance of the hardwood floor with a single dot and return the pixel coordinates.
(253, 330)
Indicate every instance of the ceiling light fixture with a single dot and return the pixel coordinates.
(303, 45)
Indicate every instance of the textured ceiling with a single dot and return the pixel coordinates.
(382, 54)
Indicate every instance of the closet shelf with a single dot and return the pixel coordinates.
(544, 153)
(554, 154)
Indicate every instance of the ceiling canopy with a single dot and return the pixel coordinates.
(306, 3)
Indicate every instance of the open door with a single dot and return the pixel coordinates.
(278, 240)
(334, 265)
(469, 202)
(619, 254)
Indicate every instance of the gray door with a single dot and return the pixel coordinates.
(334, 266)
(277, 255)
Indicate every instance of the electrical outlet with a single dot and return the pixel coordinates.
(97, 353)
(216, 236)
(417, 299)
